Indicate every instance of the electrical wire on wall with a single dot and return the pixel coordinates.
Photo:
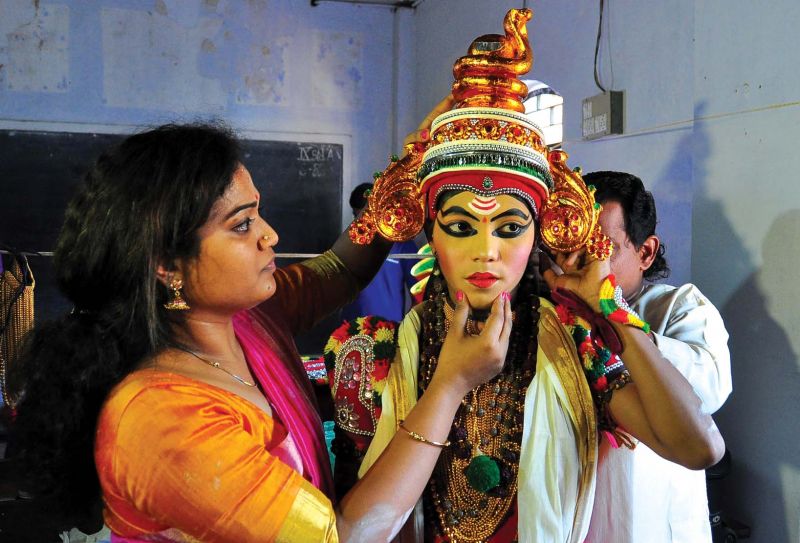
(597, 47)
(608, 42)
(608, 45)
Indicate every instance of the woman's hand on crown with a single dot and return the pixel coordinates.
(423, 132)
(467, 360)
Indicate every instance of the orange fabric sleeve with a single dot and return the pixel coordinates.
(174, 453)
(307, 292)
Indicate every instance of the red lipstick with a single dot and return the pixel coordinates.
(482, 279)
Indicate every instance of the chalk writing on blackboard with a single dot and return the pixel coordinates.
(314, 160)
(301, 183)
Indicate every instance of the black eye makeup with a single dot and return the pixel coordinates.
(511, 230)
(457, 229)
(244, 226)
(463, 229)
(511, 227)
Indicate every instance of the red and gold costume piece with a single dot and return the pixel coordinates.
(456, 126)
(357, 356)
(393, 207)
(571, 215)
(486, 76)
(483, 160)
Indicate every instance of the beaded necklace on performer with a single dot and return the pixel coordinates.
(467, 502)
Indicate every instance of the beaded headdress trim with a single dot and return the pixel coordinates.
(487, 113)
(486, 186)
(485, 157)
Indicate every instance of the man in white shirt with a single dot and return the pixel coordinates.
(640, 496)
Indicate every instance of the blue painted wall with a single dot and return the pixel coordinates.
(265, 66)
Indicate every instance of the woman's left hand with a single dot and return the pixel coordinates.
(579, 272)
(423, 132)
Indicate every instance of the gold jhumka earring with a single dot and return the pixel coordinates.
(177, 303)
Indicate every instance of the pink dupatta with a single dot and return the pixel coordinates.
(288, 391)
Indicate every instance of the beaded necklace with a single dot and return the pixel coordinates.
(474, 484)
(471, 328)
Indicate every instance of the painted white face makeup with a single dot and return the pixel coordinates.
(483, 206)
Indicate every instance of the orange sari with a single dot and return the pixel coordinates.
(182, 460)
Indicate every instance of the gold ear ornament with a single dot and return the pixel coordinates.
(177, 303)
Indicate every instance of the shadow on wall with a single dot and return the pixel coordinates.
(719, 257)
(672, 188)
(759, 420)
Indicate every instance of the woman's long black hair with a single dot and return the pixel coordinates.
(139, 206)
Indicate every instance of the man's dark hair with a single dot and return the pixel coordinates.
(639, 210)
(358, 198)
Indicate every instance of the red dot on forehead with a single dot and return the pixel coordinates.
(485, 220)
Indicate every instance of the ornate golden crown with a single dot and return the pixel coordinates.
(487, 131)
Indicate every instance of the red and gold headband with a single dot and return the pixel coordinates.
(486, 145)
(487, 151)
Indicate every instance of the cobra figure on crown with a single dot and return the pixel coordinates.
(523, 447)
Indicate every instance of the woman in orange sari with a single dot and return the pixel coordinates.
(174, 387)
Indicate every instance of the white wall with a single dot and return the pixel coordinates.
(266, 67)
(712, 122)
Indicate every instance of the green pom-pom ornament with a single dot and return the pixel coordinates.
(483, 473)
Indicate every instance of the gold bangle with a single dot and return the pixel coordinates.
(423, 439)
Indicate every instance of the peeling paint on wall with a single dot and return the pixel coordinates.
(161, 7)
(253, 51)
(257, 64)
(148, 56)
(263, 70)
(337, 69)
(34, 44)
